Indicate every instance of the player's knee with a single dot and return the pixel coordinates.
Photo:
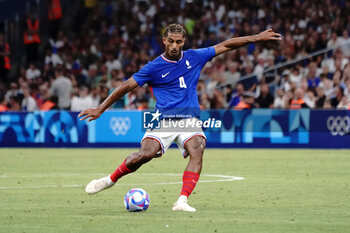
(198, 145)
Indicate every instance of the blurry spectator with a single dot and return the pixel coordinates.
(345, 42)
(329, 63)
(295, 76)
(337, 79)
(141, 100)
(321, 97)
(13, 91)
(265, 100)
(298, 101)
(312, 79)
(5, 64)
(270, 76)
(47, 103)
(32, 72)
(54, 15)
(347, 87)
(344, 103)
(285, 82)
(322, 41)
(103, 78)
(304, 84)
(227, 93)
(116, 75)
(52, 57)
(82, 101)
(62, 88)
(249, 83)
(112, 63)
(130, 100)
(327, 104)
(3, 104)
(280, 99)
(310, 45)
(35, 93)
(338, 96)
(310, 99)
(31, 38)
(340, 60)
(247, 102)
(259, 68)
(15, 103)
(211, 80)
(151, 101)
(327, 85)
(346, 73)
(48, 72)
(28, 102)
(59, 43)
(96, 98)
(232, 74)
(325, 73)
(334, 41)
(204, 101)
(218, 101)
(92, 75)
(237, 95)
(209, 40)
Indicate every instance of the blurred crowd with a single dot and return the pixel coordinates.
(108, 41)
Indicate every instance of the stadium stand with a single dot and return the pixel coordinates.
(99, 44)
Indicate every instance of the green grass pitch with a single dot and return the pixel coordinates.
(42, 190)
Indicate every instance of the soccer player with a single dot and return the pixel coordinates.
(173, 76)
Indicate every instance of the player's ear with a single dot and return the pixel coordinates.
(164, 40)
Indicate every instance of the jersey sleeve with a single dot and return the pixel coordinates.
(205, 54)
(143, 75)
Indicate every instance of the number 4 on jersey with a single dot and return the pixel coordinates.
(182, 82)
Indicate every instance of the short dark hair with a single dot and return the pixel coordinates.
(58, 70)
(174, 28)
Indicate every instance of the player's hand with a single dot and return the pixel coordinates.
(90, 114)
(268, 35)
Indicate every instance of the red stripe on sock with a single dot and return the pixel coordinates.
(186, 193)
(191, 177)
(189, 180)
(122, 170)
(187, 189)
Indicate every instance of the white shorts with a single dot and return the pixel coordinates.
(170, 132)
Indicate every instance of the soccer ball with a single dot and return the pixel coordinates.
(136, 200)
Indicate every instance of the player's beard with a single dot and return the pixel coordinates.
(174, 54)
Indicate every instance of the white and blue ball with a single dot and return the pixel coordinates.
(136, 199)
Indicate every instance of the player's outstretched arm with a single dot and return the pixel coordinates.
(237, 42)
(94, 113)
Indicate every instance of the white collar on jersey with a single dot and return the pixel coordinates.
(182, 55)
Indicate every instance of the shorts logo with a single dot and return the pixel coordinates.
(120, 125)
(338, 125)
(151, 120)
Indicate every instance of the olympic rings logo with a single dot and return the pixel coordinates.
(338, 125)
(120, 125)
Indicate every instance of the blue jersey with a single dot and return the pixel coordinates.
(174, 83)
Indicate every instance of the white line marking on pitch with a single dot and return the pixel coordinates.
(223, 178)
